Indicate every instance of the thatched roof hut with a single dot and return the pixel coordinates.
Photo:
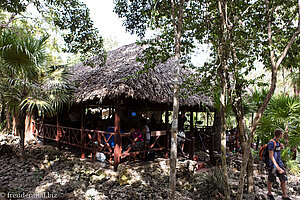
(130, 100)
(111, 80)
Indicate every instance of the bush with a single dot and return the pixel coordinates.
(293, 167)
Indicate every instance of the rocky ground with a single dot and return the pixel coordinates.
(48, 172)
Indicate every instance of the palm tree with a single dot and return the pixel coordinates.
(25, 84)
(21, 58)
(284, 110)
(295, 78)
(51, 93)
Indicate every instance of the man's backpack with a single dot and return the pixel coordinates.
(264, 153)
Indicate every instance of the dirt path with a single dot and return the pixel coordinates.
(62, 175)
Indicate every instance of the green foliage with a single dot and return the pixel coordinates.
(293, 167)
(80, 35)
(282, 112)
(213, 181)
(25, 82)
(2, 125)
(284, 108)
(255, 154)
(21, 58)
(294, 137)
(285, 154)
(21, 53)
(54, 91)
(142, 15)
(72, 17)
(13, 6)
(265, 129)
(256, 99)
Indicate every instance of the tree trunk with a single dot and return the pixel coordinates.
(283, 80)
(118, 139)
(177, 25)
(217, 131)
(223, 54)
(29, 129)
(223, 137)
(8, 120)
(250, 178)
(274, 64)
(2, 116)
(14, 125)
(20, 130)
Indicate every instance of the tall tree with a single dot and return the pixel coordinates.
(223, 52)
(245, 36)
(177, 16)
(245, 39)
(20, 57)
(171, 41)
(274, 61)
(25, 84)
(80, 36)
(72, 17)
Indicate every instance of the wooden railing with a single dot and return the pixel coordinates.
(101, 141)
(204, 141)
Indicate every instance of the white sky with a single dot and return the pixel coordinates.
(108, 23)
(110, 27)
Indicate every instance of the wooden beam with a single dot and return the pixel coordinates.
(191, 122)
(207, 114)
(167, 119)
(167, 135)
(211, 149)
(118, 141)
(191, 148)
(82, 131)
(58, 132)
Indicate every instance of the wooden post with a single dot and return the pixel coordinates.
(101, 114)
(211, 149)
(118, 141)
(82, 131)
(41, 125)
(58, 133)
(167, 119)
(109, 112)
(191, 123)
(167, 140)
(207, 114)
(191, 149)
(167, 144)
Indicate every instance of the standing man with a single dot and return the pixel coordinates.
(181, 134)
(276, 167)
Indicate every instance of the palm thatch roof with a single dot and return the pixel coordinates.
(111, 80)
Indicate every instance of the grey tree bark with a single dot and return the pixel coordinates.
(223, 53)
(177, 24)
(274, 64)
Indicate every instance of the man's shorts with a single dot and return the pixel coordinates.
(273, 172)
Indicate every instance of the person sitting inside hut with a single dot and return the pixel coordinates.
(146, 131)
(137, 137)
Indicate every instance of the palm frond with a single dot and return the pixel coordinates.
(22, 53)
(42, 105)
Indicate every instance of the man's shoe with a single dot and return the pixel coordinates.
(286, 198)
(270, 197)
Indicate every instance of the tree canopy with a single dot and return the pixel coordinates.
(71, 17)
